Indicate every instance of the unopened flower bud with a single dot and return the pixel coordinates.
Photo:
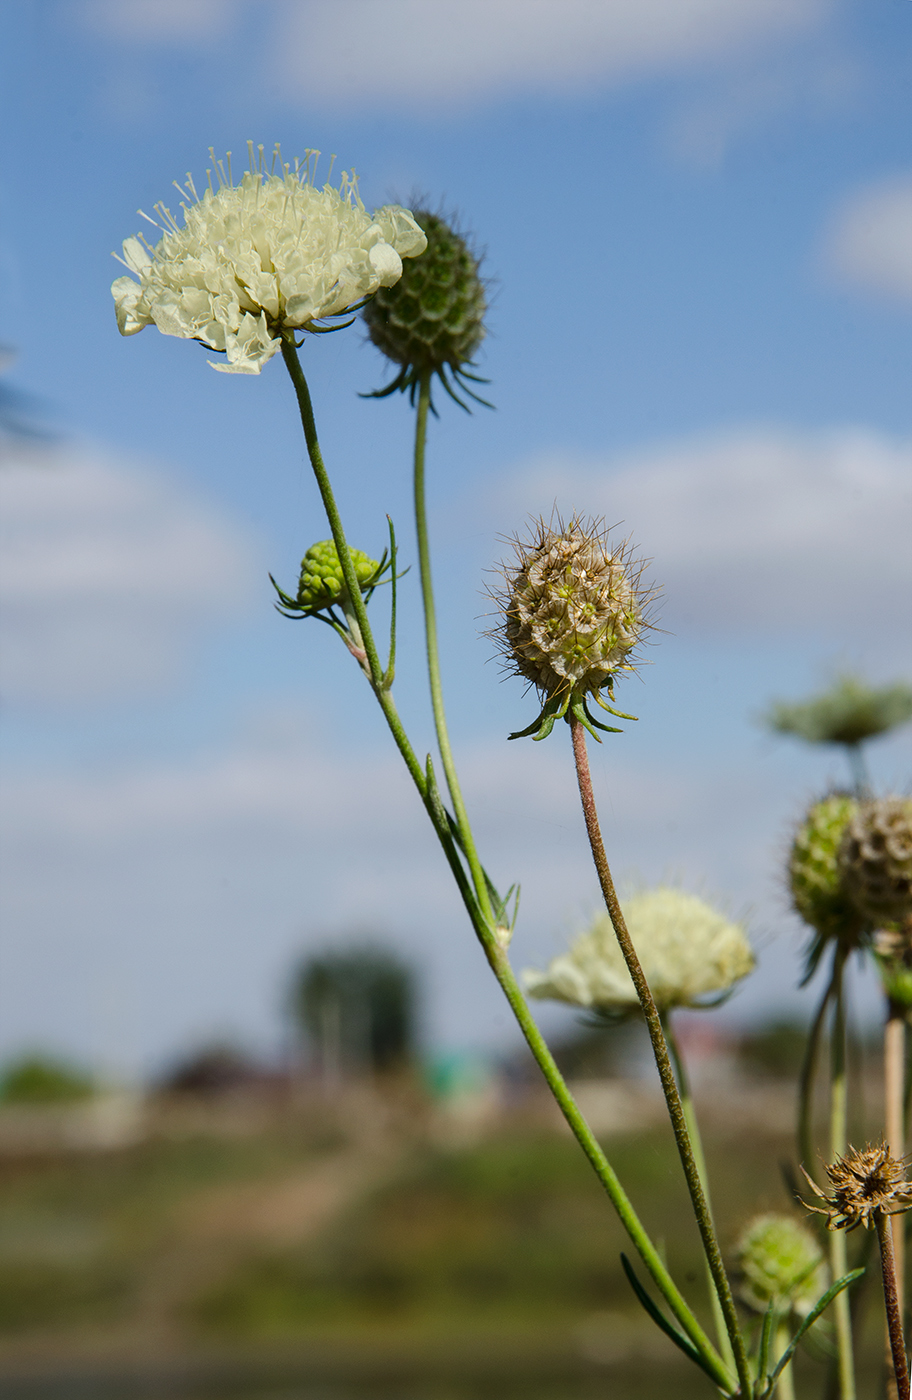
(322, 584)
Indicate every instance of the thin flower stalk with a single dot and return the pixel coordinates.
(662, 1058)
(482, 923)
(693, 1127)
(433, 653)
(895, 1134)
(845, 1360)
(892, 1302)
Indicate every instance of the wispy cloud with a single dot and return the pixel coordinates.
(408, 54)
(106, 572)
(869, 243)
(765, 531)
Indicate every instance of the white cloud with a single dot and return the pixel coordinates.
(106, 573)
(778, 533)
(160, 21)
(869, 244)
(411, 54)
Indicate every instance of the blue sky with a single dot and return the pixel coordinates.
(697, 225)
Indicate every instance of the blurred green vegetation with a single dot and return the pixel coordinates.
(40, 1079)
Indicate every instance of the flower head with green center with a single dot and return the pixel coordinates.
(432, 321)
(691, 955)
(780, 1263)
(862, 1183)
(269, 255)
(321, 585)
(574, 610)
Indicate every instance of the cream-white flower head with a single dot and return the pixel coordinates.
(688, 951)
(270, 253)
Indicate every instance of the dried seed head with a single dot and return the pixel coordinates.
(818, 892)
(780, 1263)
(862, 1183)
(574, 608)
(875, 858)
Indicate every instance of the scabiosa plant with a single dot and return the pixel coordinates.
(574, 609)
(270, 254)
(431, 322)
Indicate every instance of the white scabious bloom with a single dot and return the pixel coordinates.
(688, 951)
(271, 253)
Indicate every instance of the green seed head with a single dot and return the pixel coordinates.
(818, 891)
(321, 583)
(781, 1263)
(432, 320)
(875, 858)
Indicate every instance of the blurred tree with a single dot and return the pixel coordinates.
(356, 1009)
(849, 713)
(41, 1079)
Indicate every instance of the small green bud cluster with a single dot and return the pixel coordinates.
(432, 320)
(781, 1263)
(321, 583)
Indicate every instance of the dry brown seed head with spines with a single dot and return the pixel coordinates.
(863, 1183)
(574, 607)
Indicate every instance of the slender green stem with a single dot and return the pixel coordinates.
(293, 365)
(693, 1127)
(891, 1302)
(785, 1386)
(605, 1172)
(838, 1143)
(662, 1059)
(806, 1151)
(483, 924)
(433, 652)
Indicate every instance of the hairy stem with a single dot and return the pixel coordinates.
(891, 1301)
(693, 1128)
(838, 1143)
(806, 1152)
(433, 654)
(662, 1059)
(895, 1133)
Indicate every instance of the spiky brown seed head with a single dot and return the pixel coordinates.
(780, 1262)
(862, 1183)
(574, 607)
(815, 877)
(875, 859)
(432, 320)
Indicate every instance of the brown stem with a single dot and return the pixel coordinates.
(662, 1058)
(894, 1094)
(891, 1301)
